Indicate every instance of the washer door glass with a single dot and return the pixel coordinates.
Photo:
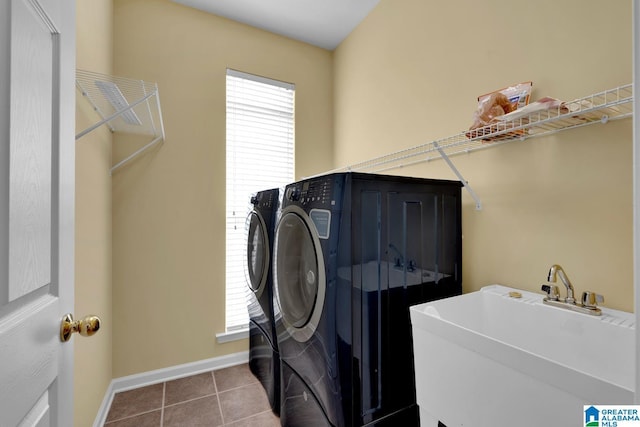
(296, 270)
(257, 252)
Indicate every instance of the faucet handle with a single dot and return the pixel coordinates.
(591, 299)
(552, 292)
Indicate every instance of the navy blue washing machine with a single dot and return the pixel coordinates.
(352, 252)
(264, 359)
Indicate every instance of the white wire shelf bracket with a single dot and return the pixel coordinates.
(455, 170)
(124, 105)
(602, 107)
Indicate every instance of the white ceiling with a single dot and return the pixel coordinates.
(323, 23)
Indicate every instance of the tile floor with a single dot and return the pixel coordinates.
(227, 397)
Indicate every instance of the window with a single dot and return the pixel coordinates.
(260, 156)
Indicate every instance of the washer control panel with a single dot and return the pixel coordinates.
(265, 199)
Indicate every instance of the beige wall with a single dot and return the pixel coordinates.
(410, 74)
(93, 357)
(168, 205)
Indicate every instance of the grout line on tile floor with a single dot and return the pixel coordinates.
(190, 400)
(248, 417)
(236, 388)
(164, 397)
(132, 416)
(215, 387)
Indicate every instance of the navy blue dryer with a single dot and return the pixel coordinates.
(264, 360)
(352, 253)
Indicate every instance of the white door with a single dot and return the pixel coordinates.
(37, 110)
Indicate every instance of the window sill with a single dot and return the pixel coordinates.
(232, 336)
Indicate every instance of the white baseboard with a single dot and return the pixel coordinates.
(161, 375)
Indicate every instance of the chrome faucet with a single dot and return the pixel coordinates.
(590, 300)
(399, 260)
(557, 270)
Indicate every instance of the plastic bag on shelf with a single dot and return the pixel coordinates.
(553, 105)
(495, 104)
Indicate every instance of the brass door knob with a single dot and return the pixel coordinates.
(85, 327)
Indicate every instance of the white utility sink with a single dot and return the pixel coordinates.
(489, 359)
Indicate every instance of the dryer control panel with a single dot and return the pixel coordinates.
(317, 192)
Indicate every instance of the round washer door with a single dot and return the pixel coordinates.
(257, 253)
(299, 273)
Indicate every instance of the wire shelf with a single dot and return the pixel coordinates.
(613, 104)
(124, 105)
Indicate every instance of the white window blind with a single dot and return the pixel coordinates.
(260, 156)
